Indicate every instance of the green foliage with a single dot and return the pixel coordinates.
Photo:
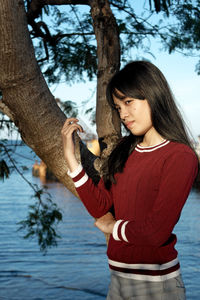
(42, 220)
(44, 215)
(70, 61)
(65, 43)
(189, 17)
(4, 168)
(66, 48)
(184, 26)
(161, 5)
(92, 115)
(69, 108)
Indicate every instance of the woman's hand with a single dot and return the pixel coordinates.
(70, 126)
(106, 223)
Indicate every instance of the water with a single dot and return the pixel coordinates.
(77, 267)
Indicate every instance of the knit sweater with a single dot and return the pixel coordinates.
(148, 198)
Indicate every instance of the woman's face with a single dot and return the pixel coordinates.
(135, 114)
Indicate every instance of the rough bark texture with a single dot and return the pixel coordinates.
(25, 92)
(108, 53)
(28, 99)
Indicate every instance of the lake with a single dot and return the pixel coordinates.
(77, 268)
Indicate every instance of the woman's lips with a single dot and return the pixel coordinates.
(129, 124)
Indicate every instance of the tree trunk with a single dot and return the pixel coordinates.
(108, 54)
(27, 96)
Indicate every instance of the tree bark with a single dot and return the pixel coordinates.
(26, 94)
(28, 98)
(108, 54)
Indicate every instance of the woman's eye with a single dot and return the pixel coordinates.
(128, 102)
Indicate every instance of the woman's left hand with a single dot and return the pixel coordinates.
(106, 223)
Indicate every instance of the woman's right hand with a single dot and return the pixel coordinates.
(70, 126)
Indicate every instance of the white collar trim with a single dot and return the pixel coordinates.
(151, 148)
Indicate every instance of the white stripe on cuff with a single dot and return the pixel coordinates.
(75, 172)
(123, 231)
(115, 230)
(81, 181)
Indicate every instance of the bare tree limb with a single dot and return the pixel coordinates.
(60, 36)
(46, 51)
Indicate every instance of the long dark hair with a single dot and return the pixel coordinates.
(143, 80)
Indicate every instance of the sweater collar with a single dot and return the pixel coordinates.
(151, 148)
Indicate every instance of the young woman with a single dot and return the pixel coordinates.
(147, 179)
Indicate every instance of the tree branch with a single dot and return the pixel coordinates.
(35, 6)
(46, 51)
(60, 36)
(6, 110)
(62, 2)
(40, 29)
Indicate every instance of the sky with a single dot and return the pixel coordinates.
(179, 71)
(180, 74)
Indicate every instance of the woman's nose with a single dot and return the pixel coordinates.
(123, 113)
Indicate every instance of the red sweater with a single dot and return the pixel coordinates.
(148, 199)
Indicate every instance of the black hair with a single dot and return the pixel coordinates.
(143, 80)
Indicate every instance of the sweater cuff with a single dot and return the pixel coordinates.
(78, 176)
(119, 231)
(75, 172)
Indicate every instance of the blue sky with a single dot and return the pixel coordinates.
(179, 72)
(185, 84)
(178, 69)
